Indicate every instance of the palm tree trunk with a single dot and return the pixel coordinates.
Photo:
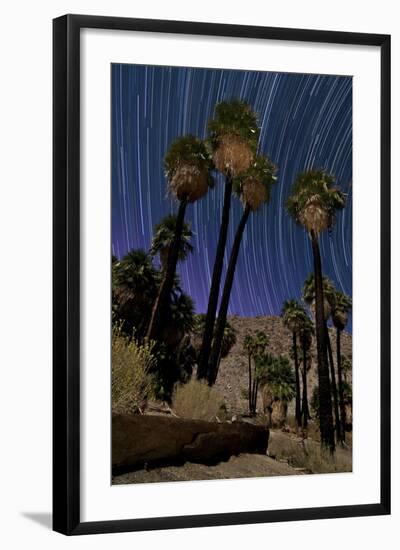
(305, 411)
(223, 311)
(161, 303)
(296, 368)
(215, 284)
(253, 391)
(333, 385)
(250, 411)
(341, 392)
(255, 397)
(324, 389)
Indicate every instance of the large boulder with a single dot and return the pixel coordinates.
(140, 441)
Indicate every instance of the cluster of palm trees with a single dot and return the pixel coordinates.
(234, 140)
(190, 165)
(336, 308)
(272, 374)
(298, 322)
(255, 347)
(150, 301)
(231, 150)
(313, 204)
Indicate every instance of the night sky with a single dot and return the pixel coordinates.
(305, 121)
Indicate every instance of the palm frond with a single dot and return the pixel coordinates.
(234, 117)
(255, 184)
(314, 200)
(188, 168)
(164, 235)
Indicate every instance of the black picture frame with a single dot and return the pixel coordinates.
(66, 272)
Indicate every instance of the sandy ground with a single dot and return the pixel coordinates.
(283, 448)
(242, 466)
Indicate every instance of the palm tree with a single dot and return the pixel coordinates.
(248, 346)
(279, 378)
(306, 336)
(313, 204)
(135, 283)
(294, 317)
(340, 316)
(308, 293)
(180, 318)
(254, 189)
(234, 137)
(187, 165)
(164, 237)
(228, 340)
(255, 347)
(329, 303)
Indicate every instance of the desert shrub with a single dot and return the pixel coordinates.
(197, 400)
(310, 456)
(132, 382)
(318, 461)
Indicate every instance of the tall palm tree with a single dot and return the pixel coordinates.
(164, 237)
(294, 317)
(234, 138)
(248, 347)
(261, 343)
(329, 304)
(254, 190)
(313, 204)
(187, 166)
(340, 317)
(306, 336)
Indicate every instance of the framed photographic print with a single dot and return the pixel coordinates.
(221, 274)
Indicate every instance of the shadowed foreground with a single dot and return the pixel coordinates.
(242, 466)
(141, 441)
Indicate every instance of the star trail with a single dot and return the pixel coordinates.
(305, 121)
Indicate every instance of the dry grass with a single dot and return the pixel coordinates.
(307, 455)
(198, 400)
(131, 382)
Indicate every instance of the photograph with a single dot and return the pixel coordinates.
(231, 273)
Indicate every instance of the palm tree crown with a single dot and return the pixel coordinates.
(187, 166)
(233, 136)
(340, 311)
(329, 294)
(134, 278)
(135, 284)
(254, 185)
(306, 333)
(315, 200)
(164, 236)
(294, 315)
(279, 377)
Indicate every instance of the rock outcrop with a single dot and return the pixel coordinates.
(145, 441)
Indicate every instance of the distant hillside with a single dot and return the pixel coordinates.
(233, 375)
